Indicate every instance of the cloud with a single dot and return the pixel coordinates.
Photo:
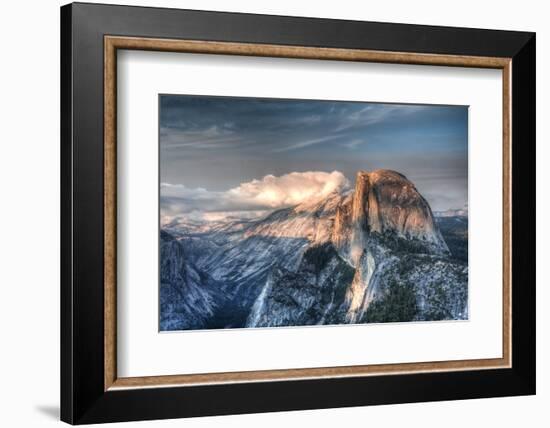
(290, 189)
(213, 137)
(357, 142)
(307, 143)
(269, 193)
(219, 142)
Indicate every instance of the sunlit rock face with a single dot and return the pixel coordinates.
(372, 254)
(395, 204)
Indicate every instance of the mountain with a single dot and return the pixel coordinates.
(373, 254)
(188, 296)
(454, 230)
(462, 212)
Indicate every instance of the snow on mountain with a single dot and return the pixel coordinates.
(188, 295)
(372, 254)
(461, 212)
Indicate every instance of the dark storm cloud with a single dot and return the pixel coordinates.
(217, 143)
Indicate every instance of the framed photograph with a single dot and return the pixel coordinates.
(265, 213)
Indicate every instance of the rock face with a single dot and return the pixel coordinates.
(374, 254)
(187, 295)
(385, 202)
(394, 204)
(313, 294)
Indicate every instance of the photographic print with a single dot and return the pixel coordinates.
(288, 212)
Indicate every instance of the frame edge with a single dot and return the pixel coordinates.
(524, 219)
(66, 315)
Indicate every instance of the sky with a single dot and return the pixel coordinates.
(221, 155)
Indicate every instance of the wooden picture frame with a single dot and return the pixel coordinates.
(91, 390)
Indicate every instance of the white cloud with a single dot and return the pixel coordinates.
(269, 193)
(289, 189)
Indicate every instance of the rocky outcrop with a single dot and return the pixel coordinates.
(312, 295)
(396, 205)
(385, 202)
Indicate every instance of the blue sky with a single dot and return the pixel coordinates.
(214, 144)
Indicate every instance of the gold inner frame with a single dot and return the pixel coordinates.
(113, 43)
